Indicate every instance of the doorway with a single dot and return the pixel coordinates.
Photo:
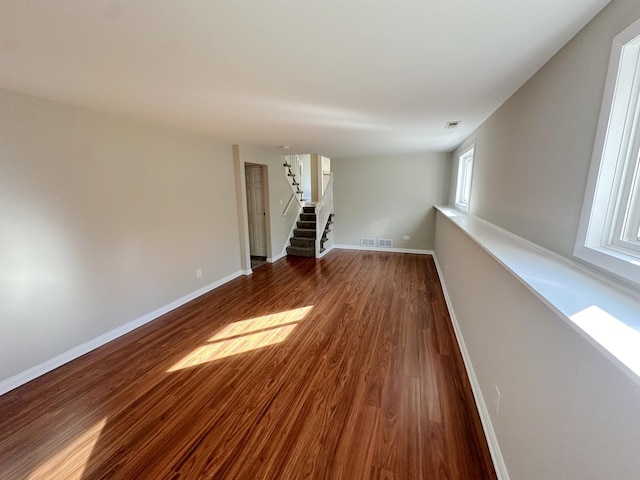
(256, 210)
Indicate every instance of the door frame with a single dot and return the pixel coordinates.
(243, 217)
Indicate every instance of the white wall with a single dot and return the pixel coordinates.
(566, 411)
(389, 197)
(533, 154)
(102, 220)
(279, 192)
(306, 175)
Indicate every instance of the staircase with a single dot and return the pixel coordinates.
(303, 242)
(314, 223)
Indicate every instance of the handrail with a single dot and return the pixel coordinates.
(286, 209)
(324, 208)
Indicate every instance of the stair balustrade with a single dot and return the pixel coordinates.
(324, 215)
(293, 172)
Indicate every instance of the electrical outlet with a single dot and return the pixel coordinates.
(198, 273)
(496, 399)
(406, 237)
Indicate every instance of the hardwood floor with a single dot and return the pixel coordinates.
(340, 368)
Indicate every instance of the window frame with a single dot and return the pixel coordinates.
(609, 228)
(464, 178)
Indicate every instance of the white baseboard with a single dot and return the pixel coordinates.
(278, 257)
(327, 250)
(384, 249)
(55, 362)
(489, 432)
(245, 272)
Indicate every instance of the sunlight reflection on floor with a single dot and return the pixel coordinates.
(244, 336)
(70, 462)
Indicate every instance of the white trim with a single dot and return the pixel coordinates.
(245, 272)
(464, 181)
(34, 372)
(278, 257)
(567, 288)
(489, 433)
(382, 249)
(327, 250)
(613, 149)
(287, 243)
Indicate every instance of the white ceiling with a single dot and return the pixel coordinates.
(337, 77)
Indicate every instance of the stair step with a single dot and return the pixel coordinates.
(304, 232)
(309, 209)
(287, 165)
(301, 251)
(308, 217)
(302, 242)
(307, 225)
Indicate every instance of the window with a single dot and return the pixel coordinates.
(609, 232)
(463, 189)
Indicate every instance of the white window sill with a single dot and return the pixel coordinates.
(607, 317)
(612, 260)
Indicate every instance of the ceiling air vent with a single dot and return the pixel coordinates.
(450, 125)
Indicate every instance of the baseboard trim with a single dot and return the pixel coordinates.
(487, 425)
(383, 249)
(245, 272)
(278, 257)
(327, 250)
(34, 372)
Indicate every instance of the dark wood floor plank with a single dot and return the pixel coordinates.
(340, 368)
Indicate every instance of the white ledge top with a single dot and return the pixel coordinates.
(608, 317)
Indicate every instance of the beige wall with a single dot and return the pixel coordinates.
(389, 197)
(306, 175)
(102, 220)
(533, 154)
(566, 411)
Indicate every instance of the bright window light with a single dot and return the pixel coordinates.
(463, 187)
(609, 232)
(71, 462)
(616, 337)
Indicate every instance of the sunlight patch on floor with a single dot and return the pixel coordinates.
(245, 336)
(70, 462)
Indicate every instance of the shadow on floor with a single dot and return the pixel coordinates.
(257, 262)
